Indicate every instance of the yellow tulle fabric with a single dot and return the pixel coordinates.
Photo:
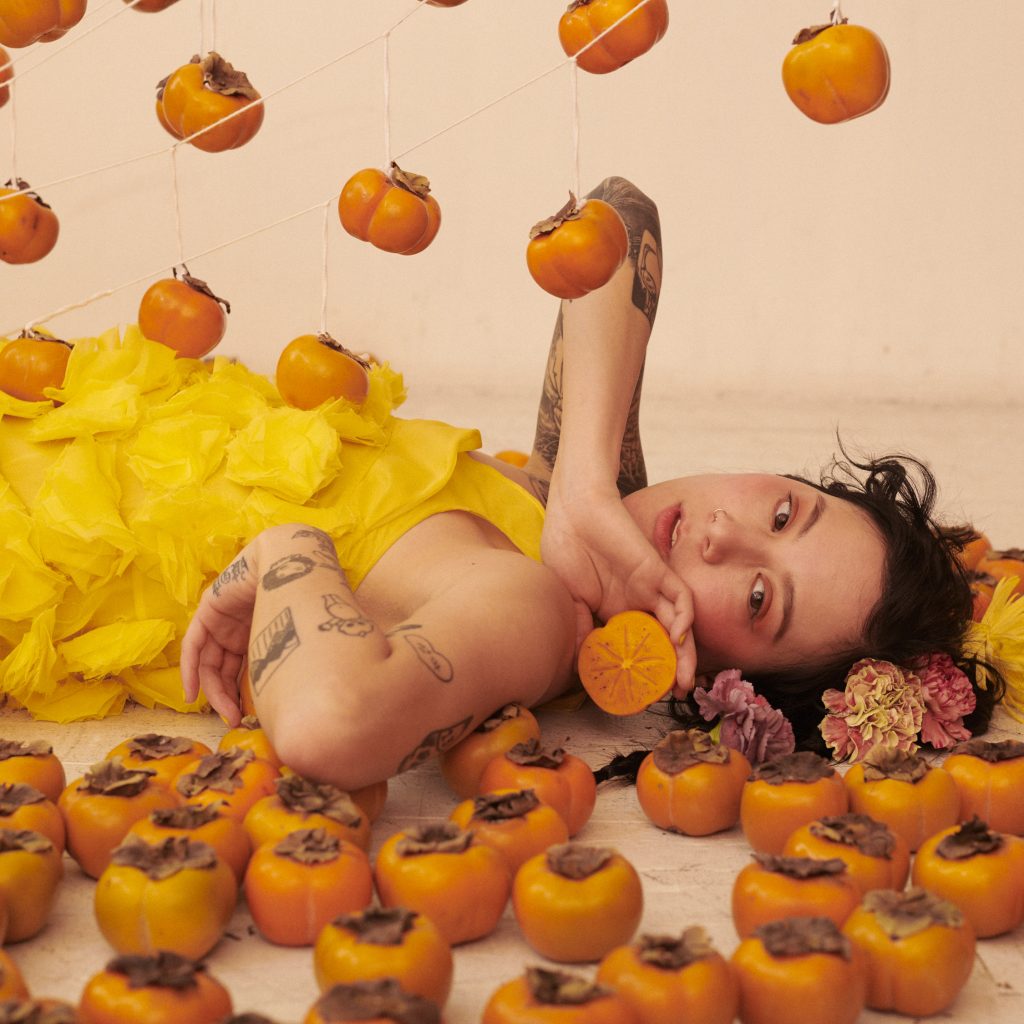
(998, 640)
(124, 497)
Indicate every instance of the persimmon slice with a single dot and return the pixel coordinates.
(628, 663)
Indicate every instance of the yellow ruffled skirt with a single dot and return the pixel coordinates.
(124, 497)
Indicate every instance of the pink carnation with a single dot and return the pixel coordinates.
(748, 722)
(882, 707)
(948, 696)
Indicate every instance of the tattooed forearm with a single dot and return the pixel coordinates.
(549, 412)
(434, 742)
(344, 618)
(326, 555)
(287, 569)
(632, 468)
(237, 571)
(270, 647)
(438, 664)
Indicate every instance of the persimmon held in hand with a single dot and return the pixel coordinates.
(28, 227)
(585, 20)
(394, 212)
(208, 93)
(578, 249)
(628, 663)
(32, 363)
(836, 72)
(314, 368)
(182, 313)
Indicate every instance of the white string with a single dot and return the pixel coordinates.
(13, 104)
(387, 101)
(178, 234)
(323, 270)
(213, 24)
(836, 14)
(203, 48)
(574, 92)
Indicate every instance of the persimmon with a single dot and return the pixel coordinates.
(989, 775)
(974, 550)
(210, 96)
(836, 72)
(1000, 564)
(513, 457)
(875, 856)
(445, 3)
(385, 942)
(232, 779)
(161, 989)
(512, 821)
(32, 363)
(583, 31)
(182, 313)
(919, 950)
(151, 6)
(33, 763)
(30, 871)
(25, 807)
(464, 763)
(296, 886)
(165, 756)
(204, 823)
(442, 871)
(667, 979)
(100, 807)
(801, 970)
(914, 798)
(559, 778)
(28, 226)
(299, 803)
(543, 996)
(786, 792)
(175, 894)
(71, 13)
(690, 784)
(773, 887)
(12, 982)
(392, 211)
(314, 368)
(377, 1001)
(983, 588)
(577, 249)
(575, 903)
(250, 735)
(978, 869)
(628, 663)
(22, 24)
(6, 74)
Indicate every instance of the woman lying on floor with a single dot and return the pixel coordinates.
(370, 651)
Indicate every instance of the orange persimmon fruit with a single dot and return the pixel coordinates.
(6, 74)
(165, 756)
(376, 1001)
(71, 13)
(585, 21)
(25, 807)
(1000, 564)
(989, 775)
(28, 226)
(541, 995)
(32, 363)
(628, 663)
(182, 313)
(31, 868)
(314, 368)
(22, 24)
(394, 212)
(33, 763)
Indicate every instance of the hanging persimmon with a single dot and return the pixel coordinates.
(150, 6)
(6, 74)
(28, 227)
(70, 14)
(577, 249)
(182, 313)
(314, 368)
(585, 21)
(32, 363)
(836, 72)
(209, 93)
(22, 24)
(395, 212)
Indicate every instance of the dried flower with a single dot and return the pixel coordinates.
(948, 696)
(748, 723)
(882, 706)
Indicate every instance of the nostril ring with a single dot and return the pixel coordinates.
(714, 514)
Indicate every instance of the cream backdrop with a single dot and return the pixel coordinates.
(879, 258)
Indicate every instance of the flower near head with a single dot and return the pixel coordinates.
(948, 697)
(747, 722)
(998, 641)
(882, 707)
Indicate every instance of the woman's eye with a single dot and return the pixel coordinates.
(783, 513)
(756, 600)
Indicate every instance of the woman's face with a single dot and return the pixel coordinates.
(780, 573)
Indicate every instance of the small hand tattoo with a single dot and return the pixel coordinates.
(237, 571)
(271, 647)
(287, 569)
(344, 618)
(438, 664)
(434, 742)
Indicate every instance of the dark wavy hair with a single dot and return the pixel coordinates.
(926, 601)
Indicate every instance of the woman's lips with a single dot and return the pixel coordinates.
(665, 527)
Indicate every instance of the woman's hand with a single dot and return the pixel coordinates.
(215, 643)
(594, 546)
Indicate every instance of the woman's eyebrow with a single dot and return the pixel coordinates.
(787, 580)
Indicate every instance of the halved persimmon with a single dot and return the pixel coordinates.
(628, 663)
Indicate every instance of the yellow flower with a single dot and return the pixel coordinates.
(998, 641)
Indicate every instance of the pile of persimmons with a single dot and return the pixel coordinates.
(172, 832)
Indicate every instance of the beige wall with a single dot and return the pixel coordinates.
(881, 256)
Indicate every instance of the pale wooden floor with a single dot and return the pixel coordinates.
(687, 881)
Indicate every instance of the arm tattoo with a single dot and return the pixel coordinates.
(549, 411)
(270, 648)
(287, 569)
(344, 618)
(434, 742)
(438, 664)
(237, 571)
(632, 468)
(324, 547)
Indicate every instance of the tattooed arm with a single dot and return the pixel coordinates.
(587, 450)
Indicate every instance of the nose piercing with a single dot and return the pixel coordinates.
(714, 514)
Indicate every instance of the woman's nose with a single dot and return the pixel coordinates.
(729, 540)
